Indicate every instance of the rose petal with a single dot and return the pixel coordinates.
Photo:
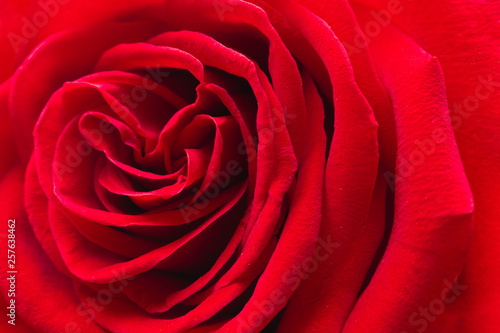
(433, 208)
(55, 61)
(60, 306)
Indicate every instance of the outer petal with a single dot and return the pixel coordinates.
(350, 175)
(433, 208)
(339, 16)
(44, 297)
(26, 23)
(465, 38)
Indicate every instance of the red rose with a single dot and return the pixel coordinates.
(250, 166)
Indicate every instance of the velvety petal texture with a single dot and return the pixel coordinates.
(250, 166)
